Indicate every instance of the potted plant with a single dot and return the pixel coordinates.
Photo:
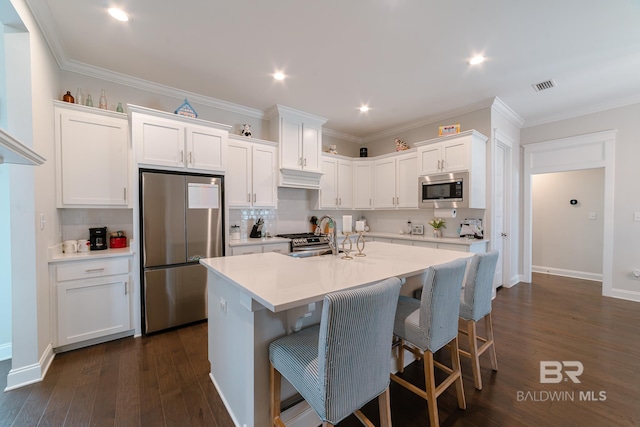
(438, 225)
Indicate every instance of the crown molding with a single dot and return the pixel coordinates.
(342, 136)
(430, 120)
(506, 111)
(622, 102)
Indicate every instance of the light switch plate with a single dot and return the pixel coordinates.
(593, 215)
(636, 216)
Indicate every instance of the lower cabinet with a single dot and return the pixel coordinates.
(477, 247)
(92, 301)
(260, 248)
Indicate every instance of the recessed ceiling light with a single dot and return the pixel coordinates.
(279, 75)
(118, 14)
(364, 108)
(477, 60)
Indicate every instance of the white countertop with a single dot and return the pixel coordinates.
(428, 238)
(258, 241)
(280, 282)
(55, 257)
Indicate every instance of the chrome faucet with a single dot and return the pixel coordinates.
(333, 237)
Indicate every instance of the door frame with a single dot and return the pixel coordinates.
(590, 151)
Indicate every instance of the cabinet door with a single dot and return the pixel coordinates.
(246, 250)
(160, 142)
(92, 159)
(384, 183)
(282, 248)
(264, 176)
(311, 148)
(206, 148)
(426, 244)
(430, 159)
(238, 179)
(407, 182)
(290, 144)
(344, 182)
(92, 308)
(362, 185)
(328, 188)
(455, 155)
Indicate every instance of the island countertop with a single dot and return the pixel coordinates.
(280, 282)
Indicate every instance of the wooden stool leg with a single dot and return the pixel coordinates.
(455, 365)
(488, 323)
(384, 402)
(401, 356)
(430, 388)
(473, 350)
(275, 380)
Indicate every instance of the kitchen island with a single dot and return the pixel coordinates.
(254, 299)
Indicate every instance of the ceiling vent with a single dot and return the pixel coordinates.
(544, 85)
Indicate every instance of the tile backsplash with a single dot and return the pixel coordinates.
(75, 223)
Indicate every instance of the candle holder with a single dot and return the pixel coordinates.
(360, 244)
(344, 248)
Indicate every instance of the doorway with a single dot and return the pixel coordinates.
(595, 150)
(501, 212)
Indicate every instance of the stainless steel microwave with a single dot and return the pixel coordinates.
(448, 190)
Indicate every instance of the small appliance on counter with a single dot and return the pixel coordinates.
(98, 238)
(471, 228)
(256, 231)
(117, 240)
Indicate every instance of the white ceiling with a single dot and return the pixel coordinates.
(406, 59)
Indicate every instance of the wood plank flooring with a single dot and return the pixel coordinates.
(163, 380)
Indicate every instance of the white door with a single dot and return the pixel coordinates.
(384, 187)
(238, 178)
(362, 185)
(291, 144)
(407, 182)
(430, 157)
(328, 188)
(455, 155)
(500, 239)
(311, 140)
(205, 148)
(345, 184)
(264, 176)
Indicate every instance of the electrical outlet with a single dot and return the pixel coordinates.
(593, 215)
(223, 305)
(417, 229)
(636, 216)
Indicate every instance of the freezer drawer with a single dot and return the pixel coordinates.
(174, 296)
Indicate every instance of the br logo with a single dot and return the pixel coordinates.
(553, 371)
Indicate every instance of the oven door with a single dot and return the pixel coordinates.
(444, 191)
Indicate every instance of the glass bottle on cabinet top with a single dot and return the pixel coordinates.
(103, 101)
(89, 101)
(79, 97)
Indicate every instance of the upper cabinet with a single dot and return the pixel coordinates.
(251, 177)
(466, 151)
(92, 157)
(300, 138)
(395, 182)
(362, 184)
(336, 185)
(176, 142)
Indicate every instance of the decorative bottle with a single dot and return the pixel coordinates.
(119, 108)
(79, 97)
(103, 101)
(67, 97)
(89, 101)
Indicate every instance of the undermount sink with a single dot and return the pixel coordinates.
(308, 254)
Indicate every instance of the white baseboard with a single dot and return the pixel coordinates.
(25, 375)
(224, 401)
(5, 351)
(567, 273)
(625, 294)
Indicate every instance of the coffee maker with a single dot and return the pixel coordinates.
(98, 238)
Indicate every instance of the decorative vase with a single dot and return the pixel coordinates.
(67, 97)
(437, 232)
(103, 101)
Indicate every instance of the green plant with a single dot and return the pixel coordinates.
(437, 223)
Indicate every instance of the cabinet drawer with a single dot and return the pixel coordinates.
(93, 268)
(453, 247)
(282, 248)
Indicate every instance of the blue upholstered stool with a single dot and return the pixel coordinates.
(475, 303)
(425, 326)
(343, 363)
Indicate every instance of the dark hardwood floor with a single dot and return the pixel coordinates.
(163, 379)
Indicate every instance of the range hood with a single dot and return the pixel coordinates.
(14, 152)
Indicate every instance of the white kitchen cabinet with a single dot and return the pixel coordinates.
(362, 184)
(260, 248)
(465, 151)
(395, 182)
(336, 184)
(300, 137)
(251, 176)
(92, 301)
(92, 157)
(176, 142)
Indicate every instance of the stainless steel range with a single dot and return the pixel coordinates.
(308, 242)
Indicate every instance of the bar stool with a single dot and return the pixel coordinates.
(343, 363)
(475, 303)
(425, 326)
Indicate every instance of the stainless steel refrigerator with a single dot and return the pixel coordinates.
(181, 221)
